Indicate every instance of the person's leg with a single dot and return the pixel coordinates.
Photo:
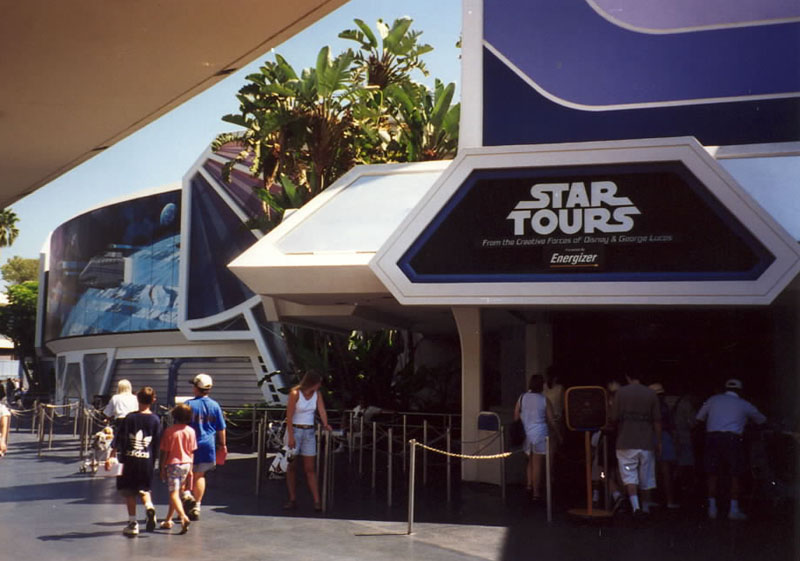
(529, 472)
(130, 503)
(537, 462)
(311, 478)
(291, 481)
(132, 528)
(199, 488)
(150, 510)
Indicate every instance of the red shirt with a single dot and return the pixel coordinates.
(179, 442)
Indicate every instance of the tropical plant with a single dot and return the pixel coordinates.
(392, 59)
(302, 131)
(8, 227)
(428, 129)
(298, 129)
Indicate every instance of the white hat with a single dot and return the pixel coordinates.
(203, 382)
(733, 384)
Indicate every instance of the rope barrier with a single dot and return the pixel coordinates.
(464, 456)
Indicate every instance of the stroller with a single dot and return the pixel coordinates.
(100, 450)
(282, 453)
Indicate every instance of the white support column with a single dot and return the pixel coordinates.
(468, 321)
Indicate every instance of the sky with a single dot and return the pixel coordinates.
(160, 153)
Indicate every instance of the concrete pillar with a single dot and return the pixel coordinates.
(468, 321)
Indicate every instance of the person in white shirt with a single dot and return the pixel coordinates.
(305, 400)
(122, 403)
(726, 415)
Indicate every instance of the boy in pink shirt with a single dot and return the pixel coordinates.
(178, 444)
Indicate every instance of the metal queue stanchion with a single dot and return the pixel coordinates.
(424, 452)
(361, 446)
(389, 471)
(548, 486)
(260, 454)
(412, 479)
(374, 450)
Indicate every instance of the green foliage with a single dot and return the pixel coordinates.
(18, 319)
(303, 130)
(19, 269)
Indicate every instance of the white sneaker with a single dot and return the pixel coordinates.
(132, 529)
(712, 512)
(736, 515)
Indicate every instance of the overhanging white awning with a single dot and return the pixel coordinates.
(314, 267)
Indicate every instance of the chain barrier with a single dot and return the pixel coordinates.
(464, 456)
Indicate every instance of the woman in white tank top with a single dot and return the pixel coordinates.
(304, 401)
(536, 412)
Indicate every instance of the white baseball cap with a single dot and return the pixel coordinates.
(203, 381)
(733, 384)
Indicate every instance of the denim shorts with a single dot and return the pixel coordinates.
(305, 441)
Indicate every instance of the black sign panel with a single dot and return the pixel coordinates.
(585, 408)
(629, 222)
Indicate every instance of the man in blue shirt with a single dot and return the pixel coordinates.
(726, 415)
(209, 425)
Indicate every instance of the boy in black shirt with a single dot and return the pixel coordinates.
(136, 447)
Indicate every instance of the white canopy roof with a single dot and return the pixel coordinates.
(314, 267)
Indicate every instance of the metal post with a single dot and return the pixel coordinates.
(425, 452)
(326, 464)
(34, 416)
(361, 446)
(606, 498)
(449, 471)
(40, 428)
(350, 439)
(374, 451)
(405, 421)
(318, 434)
(502, 465)
(547, 480)
(253, 431)
(260, 455)
(52, 422)
(411, 486)
(75, 421)
(389, 471)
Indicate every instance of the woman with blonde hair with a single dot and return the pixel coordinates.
(304, 401)
(120, 404)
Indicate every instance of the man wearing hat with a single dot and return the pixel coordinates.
(725, 415)
(209, 426)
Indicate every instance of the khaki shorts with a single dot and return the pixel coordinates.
(637, 467)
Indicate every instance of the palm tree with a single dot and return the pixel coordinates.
(8, 227)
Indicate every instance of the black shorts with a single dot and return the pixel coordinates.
(725, 454)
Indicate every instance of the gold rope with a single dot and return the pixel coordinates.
(463, 456)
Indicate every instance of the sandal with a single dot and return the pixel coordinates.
(289, 505)
(166, 525)
(185, 526)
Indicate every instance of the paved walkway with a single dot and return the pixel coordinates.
(48, 510)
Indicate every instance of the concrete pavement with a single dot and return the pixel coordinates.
(48, 510)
